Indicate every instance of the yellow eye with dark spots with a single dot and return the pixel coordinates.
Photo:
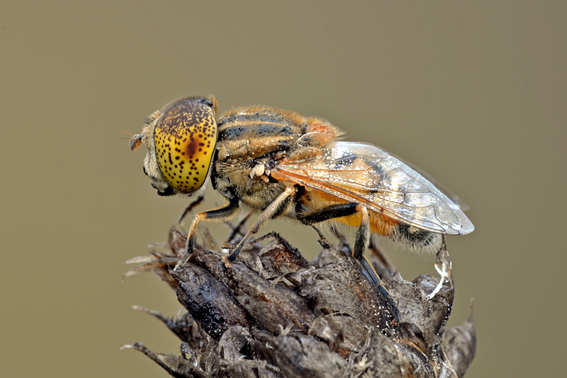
(185, 138)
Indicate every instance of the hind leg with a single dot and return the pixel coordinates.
(361, 241)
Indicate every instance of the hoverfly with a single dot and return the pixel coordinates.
(284, 164)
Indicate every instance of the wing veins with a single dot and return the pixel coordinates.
(351, 196)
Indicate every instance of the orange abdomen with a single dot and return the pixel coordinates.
(379, 223)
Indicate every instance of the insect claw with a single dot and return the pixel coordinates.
(180, 263)
(234, 255)
(226, 261)
(188, 252)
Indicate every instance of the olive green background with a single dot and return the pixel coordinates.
(472, 92)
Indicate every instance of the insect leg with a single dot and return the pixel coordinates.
(190, 207)
(329, 212)
(274, 209)
(339, 211)
(220, 214)
(237, 230)
(361, 242)
(378, 282)
(362, 235)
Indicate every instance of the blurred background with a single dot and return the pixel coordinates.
(474, 93)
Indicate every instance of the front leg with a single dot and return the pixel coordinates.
(220, 214)
(190, 208)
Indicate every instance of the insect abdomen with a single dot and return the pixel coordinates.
(380, 224)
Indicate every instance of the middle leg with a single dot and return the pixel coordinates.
(273, 210)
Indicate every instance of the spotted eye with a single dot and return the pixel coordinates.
(185, 138)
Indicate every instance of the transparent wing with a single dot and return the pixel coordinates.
(452, 196)
(360, 172)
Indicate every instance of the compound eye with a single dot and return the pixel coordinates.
(185, 139)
